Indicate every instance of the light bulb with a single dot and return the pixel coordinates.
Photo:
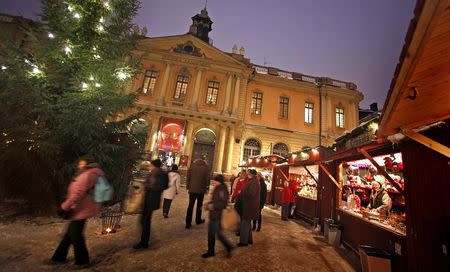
(122, 75)
(99, 108)
(102, 20)
(76, 15)
(106, 5)
(100, 28)
(84, 85)
(35, 70)
(50, 35)
(67, 49)
(4, 67)
(98, 85)
(70, 8)
(96, 56)
(91, 78)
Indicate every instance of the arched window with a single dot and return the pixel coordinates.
(251, 148)
(281, 149)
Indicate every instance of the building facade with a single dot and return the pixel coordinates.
(206, 102)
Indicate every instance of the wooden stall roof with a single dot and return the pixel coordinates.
(420, 90)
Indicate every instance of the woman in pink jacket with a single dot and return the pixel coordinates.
(78, 206)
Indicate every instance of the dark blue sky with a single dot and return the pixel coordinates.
(352, 40)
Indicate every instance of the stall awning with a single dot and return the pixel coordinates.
(420, 90)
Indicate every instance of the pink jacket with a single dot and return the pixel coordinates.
(78, 198)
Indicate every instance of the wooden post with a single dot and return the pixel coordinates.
(381, 170)
(330, 176)
(438, 147)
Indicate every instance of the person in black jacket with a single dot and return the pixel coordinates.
(263, 194)
(155, 183)
(218, 202)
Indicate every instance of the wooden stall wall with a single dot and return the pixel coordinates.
(326, 193)
(278, 179)
(305, 208)
(427, 186)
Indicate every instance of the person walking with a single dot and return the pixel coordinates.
(262, 200)
(218, 202)
(250, 208)
(155, 183)
(286, 199)
(78, 206)
(197, 184)
(172, 190)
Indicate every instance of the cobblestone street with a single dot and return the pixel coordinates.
(280, 246)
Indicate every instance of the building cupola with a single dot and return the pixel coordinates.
(201, 25)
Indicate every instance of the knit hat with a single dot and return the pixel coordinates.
(252, 172)
(156, 163)
(219, 178)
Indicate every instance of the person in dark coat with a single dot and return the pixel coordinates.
(250, 208)
(155, 183)
(197, 183)
(218, 202)
(262, 200)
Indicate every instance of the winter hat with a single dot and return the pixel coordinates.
(219, 178)
(252, 172)
(174, 167)
(156, 163)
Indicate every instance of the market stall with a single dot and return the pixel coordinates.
(416, 118)
(364, 183)
(265, 165)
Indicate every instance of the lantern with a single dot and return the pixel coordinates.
(110, 220)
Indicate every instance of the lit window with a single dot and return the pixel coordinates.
(256, 106)
(149, 82)
(284, 108)
(251, 148)
(309, 112)
(181, 87)
(339, 117)
(213, 91)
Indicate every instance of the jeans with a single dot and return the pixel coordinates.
(285, 212)
(74, 236)
(198, 216)
(246, 233)
(215, 228)
(166, 206)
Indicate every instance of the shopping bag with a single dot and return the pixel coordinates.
(135, 197)
(230, 218)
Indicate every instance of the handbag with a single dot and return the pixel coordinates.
(230, 218)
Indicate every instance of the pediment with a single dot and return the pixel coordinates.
(188, 45)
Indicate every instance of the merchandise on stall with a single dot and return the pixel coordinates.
(306, 184)
(359, 180)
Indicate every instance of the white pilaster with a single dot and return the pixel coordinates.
(220, 150)
(198, 79)
(163, 90)
(226, 103)
(236, 95)
(230, 150)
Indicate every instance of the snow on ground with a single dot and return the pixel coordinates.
(25, 244)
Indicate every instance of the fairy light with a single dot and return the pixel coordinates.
(70, 8)
(99, 108)
(27, 61)
(102, 20)
(4, 67)
(76, 15)
(96, 56)
(51, 36)
(84, 85)
(91, 78)
(67, 50)
(106, 5)
(122, 75)
(98, 85)
(100, 28)
(94, 48)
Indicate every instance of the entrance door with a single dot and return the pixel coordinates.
(204, 145)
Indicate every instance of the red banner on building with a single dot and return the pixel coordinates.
(170, 135)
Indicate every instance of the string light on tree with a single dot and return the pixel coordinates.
(123, 73)
(96, 56)
(91, 78)
(67, 50)
(76, 15)
(51, 36)
(98, 85)
(4, 67)
(100, 28)
(84, 85)
(106, 5)
(102, 20)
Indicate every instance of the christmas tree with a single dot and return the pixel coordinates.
(66, 95)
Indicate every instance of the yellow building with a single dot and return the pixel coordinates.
(204, 101)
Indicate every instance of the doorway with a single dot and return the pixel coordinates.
(204, 145)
